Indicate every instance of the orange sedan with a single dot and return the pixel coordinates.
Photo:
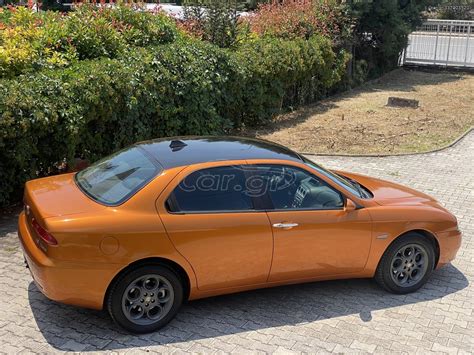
(177, 219)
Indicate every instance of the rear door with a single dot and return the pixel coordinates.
(212, 221)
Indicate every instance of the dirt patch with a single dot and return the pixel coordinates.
(359, 121)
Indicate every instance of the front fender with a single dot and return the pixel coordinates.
(391, 222)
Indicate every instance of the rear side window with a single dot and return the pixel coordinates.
(116, 178)
(220, 189)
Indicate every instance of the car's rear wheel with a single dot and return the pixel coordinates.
(406, 264)
(145, 299)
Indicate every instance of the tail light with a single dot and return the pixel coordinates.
(43, 233)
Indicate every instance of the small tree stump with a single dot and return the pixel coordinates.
(402, 102)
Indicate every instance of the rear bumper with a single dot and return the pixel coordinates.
(72, 283)
(449, 244)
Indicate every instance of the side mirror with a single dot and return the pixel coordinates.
(350, 206)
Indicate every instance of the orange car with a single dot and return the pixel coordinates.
(174, 219)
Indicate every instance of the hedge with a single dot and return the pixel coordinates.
(95, 107)
(287, 73)
(30, 41)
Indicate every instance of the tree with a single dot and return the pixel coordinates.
(382, 29)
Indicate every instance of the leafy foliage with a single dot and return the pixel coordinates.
(89, 82)
(94, 107)
(290, 19)
(382, 29)
(4, 17)
(215, 21)
(456, 11)
(30, 41)
(283, 73)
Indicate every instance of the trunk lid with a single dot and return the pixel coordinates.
(57, 196)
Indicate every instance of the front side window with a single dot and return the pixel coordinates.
(348, 184)
(292, 188)
(219, 189)
(116, 178)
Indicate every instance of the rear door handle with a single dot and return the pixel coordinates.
(285, 225)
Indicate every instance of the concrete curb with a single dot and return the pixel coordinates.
(449, 145)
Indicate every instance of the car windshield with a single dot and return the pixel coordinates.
(116, 178)
(351, 186)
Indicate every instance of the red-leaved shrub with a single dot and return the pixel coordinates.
(290, 19)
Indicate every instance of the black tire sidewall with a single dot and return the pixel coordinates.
(114, 302)
(383, 272)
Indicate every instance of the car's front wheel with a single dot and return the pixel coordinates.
(406, 264)
(145, 299)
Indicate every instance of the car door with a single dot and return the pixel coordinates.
(314, 236)
(212, 222)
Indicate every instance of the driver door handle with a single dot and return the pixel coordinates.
(285, 225)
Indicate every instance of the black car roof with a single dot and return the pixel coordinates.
(184, 151)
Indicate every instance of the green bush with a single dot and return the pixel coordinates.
(381, 31)
(215, 21)
(4, 16)
(286, 73)
(30, 41)
(89, 82)
(117, 27)
(94, 107)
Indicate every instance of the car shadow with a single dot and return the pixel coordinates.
(233, 314)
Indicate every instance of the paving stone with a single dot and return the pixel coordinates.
(347, 316)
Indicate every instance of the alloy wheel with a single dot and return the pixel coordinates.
(409, 265)
(147, 299)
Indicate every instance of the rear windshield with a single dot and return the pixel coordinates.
(116, 178)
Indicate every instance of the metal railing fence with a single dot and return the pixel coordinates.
(441, 42)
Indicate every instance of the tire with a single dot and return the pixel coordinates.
(135, 299)
(401, 273)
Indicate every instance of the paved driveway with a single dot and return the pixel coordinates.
(339, 316)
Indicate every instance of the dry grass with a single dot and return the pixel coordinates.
(360, 122)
